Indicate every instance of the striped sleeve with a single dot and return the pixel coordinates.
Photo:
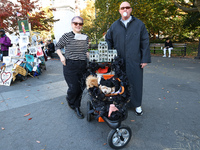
(62, 42)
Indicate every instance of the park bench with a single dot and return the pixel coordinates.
(176, 47)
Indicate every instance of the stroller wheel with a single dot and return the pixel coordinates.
(119, 138)
(89, 107)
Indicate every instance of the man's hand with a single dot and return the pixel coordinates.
(112, 109)
(143, 65)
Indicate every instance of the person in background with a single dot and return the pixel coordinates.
(168, 46)
(50, 49)
(5, 43)
(74, 62)
(129, 36)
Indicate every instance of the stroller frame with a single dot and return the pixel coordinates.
(120, 135)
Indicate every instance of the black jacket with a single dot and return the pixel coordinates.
(132, 44)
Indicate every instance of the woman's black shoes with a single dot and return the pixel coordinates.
(79, 113)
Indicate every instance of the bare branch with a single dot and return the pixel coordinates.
(185, 9)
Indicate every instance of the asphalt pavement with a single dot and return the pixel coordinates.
(34, 114)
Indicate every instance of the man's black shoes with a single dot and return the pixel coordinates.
(79, 113)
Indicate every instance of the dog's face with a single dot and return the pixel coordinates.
(106, 90)
(91, 81)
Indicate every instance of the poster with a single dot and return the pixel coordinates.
(32, 50)
(24, 40)
(14, 39)
(23, 48)
(23, 27)
(6, 59)
(6, 76)
(39, 52)
(13, 51)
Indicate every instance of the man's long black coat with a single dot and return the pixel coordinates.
(132, 44)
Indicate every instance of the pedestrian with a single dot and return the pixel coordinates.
(168, 46)
(74, 62)
(130, 38)
(5, 43)
(50, 49)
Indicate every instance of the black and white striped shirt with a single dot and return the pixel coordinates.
(74, 49)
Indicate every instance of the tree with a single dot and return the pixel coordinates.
(39, 20)
(191, 7)
(88, 15)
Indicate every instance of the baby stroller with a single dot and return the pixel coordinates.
(110, 107)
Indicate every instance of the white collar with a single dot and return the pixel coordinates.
(126, 21)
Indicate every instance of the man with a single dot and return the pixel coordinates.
(168, 46)
(5, 43)
(129, 36)
(50, 49)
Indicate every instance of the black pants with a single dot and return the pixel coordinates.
(73, 73)
(49, 53)
(5, 53)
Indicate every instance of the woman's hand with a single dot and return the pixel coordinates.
(63, 60)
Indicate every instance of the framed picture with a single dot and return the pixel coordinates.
(14, 39)
(32, 50)
(24, 40)
(39, 52)
(6, 59)
(6, 76)
(23, 48)
(12, 51)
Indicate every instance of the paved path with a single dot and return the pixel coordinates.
(171, 104)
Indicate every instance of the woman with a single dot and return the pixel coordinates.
(74, 62)
(4, 43)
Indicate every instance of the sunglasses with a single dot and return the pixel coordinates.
(127, 7)
(76, 23)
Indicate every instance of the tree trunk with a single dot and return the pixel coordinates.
(198, 55)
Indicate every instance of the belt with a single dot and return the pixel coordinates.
(76, 60)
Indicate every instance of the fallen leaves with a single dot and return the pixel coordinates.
(38, 141)
(104, 143)
(62, 103)
(26, 97)
(132, 120)
(29, 118)
(2, 128)
(27, 114)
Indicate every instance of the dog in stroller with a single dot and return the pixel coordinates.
(109, 97)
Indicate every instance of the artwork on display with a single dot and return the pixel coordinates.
(6, 76)
(39, 52)
(14, 39)
(23, 48)
(32, 50)
(29, 58)
(6, 59)
(13, 51)
(24, 40)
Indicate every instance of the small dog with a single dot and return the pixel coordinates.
(106, 90)
(91, 81)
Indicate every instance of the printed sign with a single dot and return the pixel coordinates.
(23, 48)
(14, 39)
(6, 59)
(6, 76)
(39, 52)
(24, 40)
(13, 51)
(32, 50)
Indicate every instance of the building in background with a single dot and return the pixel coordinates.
(65, 11)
